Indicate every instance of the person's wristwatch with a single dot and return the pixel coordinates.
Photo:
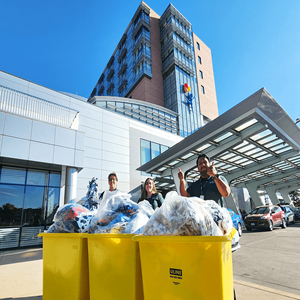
(216, 176)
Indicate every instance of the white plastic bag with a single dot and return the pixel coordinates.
(117, 213)
(219, 214)
(181, 216)
(71, 218)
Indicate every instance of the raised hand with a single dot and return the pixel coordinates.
(180, 174)
(211, 170)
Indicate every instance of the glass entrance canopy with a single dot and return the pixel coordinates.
(255, 142)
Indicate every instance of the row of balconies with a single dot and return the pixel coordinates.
(110, 74)
(171, 44)
(101, 90)
(122, 55)
(142, 7)
(101, 78)
(142, 41)
(171, 60)
(173, 11)
(122, 85)
(110, 62)
(171, 27)
(122, 41)
(112, 86)
(141, 24)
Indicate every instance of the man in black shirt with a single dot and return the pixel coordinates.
(210, 186)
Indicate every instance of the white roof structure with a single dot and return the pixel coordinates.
(254, 145)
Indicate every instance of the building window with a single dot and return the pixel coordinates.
(150, 150)
(28, 197)
(201, 74)
(198, 46)
(199, 60)
(202, 89)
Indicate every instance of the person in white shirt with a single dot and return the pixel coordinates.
(112, 182)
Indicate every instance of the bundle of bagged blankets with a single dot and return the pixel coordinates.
(71, 218)
(115, 214)
(119, 214)
(188, 216)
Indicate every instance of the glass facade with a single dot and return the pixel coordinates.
(163, 119)
(28, 197)
(150, 150)
(179, 69)
(131, 60)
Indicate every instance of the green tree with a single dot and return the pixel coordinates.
(295, 197)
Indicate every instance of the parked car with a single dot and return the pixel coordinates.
(236, 220)
(265, 217)
(289, 214)
(296, 211)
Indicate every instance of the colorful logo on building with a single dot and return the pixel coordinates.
(189, 97)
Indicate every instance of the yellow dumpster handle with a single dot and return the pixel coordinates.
(232, 233)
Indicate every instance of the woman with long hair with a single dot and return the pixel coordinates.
(150, 194)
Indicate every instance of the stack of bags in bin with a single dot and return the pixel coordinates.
(119, 214)
(92, 200)
(71, 218)
(188, 216)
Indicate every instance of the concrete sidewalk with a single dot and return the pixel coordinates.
(21, 278)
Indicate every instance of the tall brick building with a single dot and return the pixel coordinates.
(161, 61)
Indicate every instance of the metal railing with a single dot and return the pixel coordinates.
(28, 106)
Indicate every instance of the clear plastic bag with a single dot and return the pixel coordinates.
(72, 218)
(181, 216)
(146, 208)
(118, 214)
(219, 214)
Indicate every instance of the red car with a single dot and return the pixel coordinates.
(266, 217)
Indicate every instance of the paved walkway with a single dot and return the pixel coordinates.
(21, 278)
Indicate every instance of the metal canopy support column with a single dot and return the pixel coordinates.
(289, 188)
(253, 193)
(187, 166)
(71, 185)
(272, 194)
(291, 184)
(231, 204)
(285, 195)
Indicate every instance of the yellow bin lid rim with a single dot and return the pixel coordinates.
(108, 235)
(61, 235)
(180, 239)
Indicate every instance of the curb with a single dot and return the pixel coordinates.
(267, 289)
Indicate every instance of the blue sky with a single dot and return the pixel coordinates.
(65, 44)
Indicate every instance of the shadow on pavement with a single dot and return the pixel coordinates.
(17, 256)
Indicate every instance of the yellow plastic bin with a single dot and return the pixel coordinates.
(114, 266)
(65, 266)
(186, 267)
